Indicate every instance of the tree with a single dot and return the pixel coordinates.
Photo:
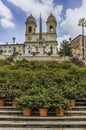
(65, 49)
(1, 51)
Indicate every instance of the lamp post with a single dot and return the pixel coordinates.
(82, 22)
(14, 48)
(14, 40)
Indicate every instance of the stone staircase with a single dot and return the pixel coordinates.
(12, 119)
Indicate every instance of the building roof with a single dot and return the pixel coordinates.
(51, 16)
(77, 37)
(31, 18)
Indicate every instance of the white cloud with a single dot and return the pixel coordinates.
(37, 6)
(1, 42)
(64, 37)
(6, 23)
(70, 24)
(5, 16)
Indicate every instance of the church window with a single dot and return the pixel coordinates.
(30, 29)
(51, 28)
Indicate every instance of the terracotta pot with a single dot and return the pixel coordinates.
(72, 102)
(60, 112)
(27, 111)
(14, 103)
(43, 112)
(2, 102)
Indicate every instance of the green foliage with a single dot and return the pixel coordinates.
(42, 98)
(57, 99)
(70, 91)
(1, 62)
(1, 51)
(50, 84)
(2, 93)
(26, 101)
(65, 49)
(14, 93)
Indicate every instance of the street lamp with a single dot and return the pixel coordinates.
(14, 48)
(14, 40)
(82, 22)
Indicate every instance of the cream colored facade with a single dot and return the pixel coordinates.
(76, 46)
(40, 44)
(9, 49)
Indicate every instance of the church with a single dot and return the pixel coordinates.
(41, 43)
(36, 43)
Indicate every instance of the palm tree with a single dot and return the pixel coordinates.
(82, 22)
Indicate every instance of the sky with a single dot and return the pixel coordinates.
(13, 14)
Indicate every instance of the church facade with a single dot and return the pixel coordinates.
(40, 44)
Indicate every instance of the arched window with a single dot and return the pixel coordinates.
(29, 29)
(51, 28)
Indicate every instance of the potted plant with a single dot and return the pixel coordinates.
(43, 103)
(59, 104)
(81, 90)
(49, 53)
(34, 53)
(70, 92)
(62, 105)
(2, 96)
(13, 95)
(26, 103)
(59, 110)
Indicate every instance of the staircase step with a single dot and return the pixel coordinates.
(76, 108)
(72, 112)
(43, 124)
(11, 117)
(8, 103)
(7, 108)
(38, 118)
(80, 103)
(10, 112)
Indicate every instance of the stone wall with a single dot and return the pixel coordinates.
(42, 128)
(44, 58)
